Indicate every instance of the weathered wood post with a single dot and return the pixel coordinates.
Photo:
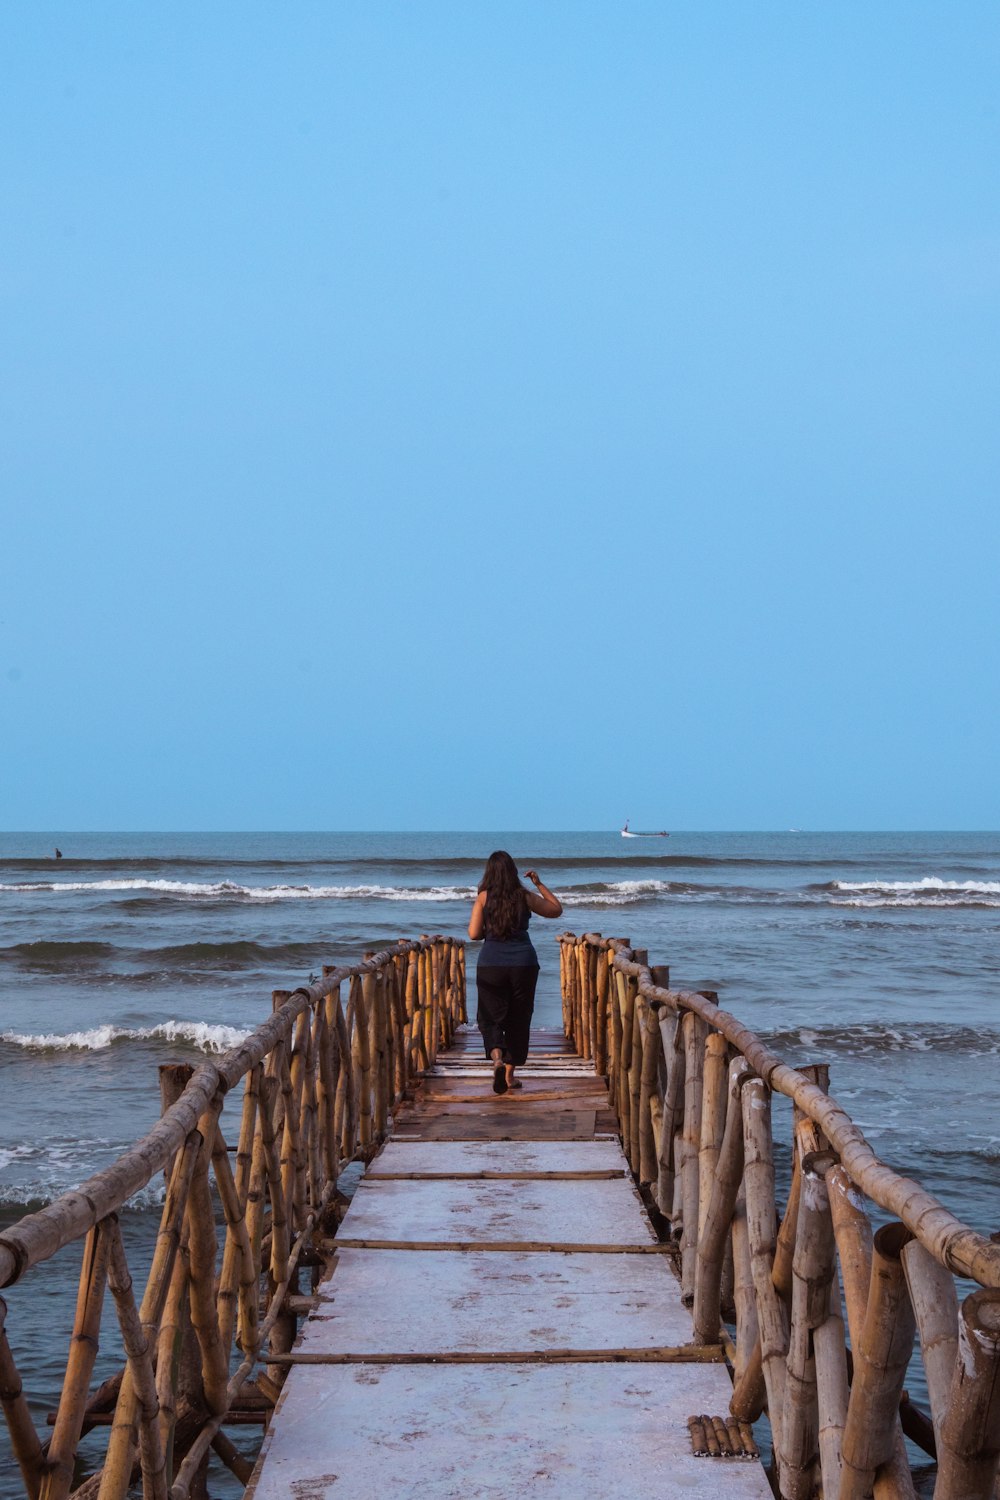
(695, 1031)
(969, 1446)
(79, 1367)
(601, 1016)
(935, 1306)
(812, 1277)
(713, 1119)
(25, 1442)
(772, 1317)
(881, 1355)
(725, 1185)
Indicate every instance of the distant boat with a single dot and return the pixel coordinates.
(628, 834)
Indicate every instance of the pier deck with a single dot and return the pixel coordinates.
(501, 1317)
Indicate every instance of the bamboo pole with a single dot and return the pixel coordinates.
(415, 1011)
(747, 1332)
(881, 1355)
(347, 1100)
(616, 1041)
(832, 1390)
(648, 1091)
(633, 1073)
(725, 1185)
(580, 1023)
(203, 1249)
(969, 1444)
(812, 1277)
(601, 1016)
(935, 1306)
(855, 1249)
(564, 962)
(758, 1177)
(361, 1054)
(430, 1004)
(375, 1011)
(713, 1119)
(829, 1344)
(329, 1082)
(232, 1458)
(638, 1006)
(238, 1281)
(168, 1267)
(694, 1031)
(79, 1366)
(24, 1441)
(269, 1095)
(171, 1322)
(626, 1007)
(672, 1042)
(313, 1122)
(400, 1045)
(138, 1353)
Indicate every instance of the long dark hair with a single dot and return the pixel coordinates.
(506, 898)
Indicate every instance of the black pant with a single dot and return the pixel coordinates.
(506, 1001)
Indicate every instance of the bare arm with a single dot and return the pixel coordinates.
(477, 928)
(541, 900)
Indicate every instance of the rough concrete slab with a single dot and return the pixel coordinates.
(541, 1123)
(424, 1302)
(486, 1432)
(444, 1157)
(553, 1213)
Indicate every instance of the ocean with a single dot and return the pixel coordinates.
(876, 953)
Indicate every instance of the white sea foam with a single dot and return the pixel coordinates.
(41, 1171)
(230, 890)
(615, 893)
(200, 1034)
(928, 885)
(931, 891)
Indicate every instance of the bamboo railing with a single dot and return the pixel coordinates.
(693, 1089)
(319, 1081)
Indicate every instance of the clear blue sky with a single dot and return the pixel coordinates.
(499, 414)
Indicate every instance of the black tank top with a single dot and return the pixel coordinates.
(514, 952)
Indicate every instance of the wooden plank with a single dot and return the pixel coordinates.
(406, 1432)
(540, 1157)
(520, 1101)
(495, 1247)
(662, 1354)
(533, 1125)
(549, 1213)
(500, 1107)
(433, 1087)
(480, 1302)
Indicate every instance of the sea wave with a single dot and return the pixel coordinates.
(928, 884)
(199, 1034)
(229, 890)
(33, 1174)
(614, 892)
(58, 957)
(931, 891)
(599, 893)
(865, 1039)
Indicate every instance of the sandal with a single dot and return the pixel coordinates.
(499, 1077)
(515, 1083)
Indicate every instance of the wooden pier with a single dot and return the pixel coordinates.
(586, 1288)
(501, 1317)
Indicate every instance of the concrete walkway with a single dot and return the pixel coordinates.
(501, 1319)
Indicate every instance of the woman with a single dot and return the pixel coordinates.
(507, 971)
